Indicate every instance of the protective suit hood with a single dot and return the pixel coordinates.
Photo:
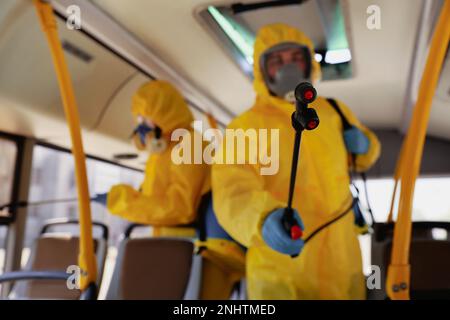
(163, 104)
(270, 36)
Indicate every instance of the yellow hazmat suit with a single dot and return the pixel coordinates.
(330, 265)
(170, 194)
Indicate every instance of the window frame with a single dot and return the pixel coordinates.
(19, 142)
(90, 157)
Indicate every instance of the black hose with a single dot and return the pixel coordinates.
(296, 153)
(329, 223)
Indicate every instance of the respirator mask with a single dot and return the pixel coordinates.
(147, 138)
(287, 76)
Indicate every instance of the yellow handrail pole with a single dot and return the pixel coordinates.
(214, 125)
(398, 278)
(390, 217)
(397, 175)
(399, 171)
(212, 121)
(86, 258)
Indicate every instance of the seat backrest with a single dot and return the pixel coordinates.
(55, 252)
(151, 268)
(429, 260)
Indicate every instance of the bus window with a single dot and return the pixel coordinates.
(8, 154)
(52, 178)
(431, 203)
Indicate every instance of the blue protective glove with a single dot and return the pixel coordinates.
(277, 237)
(142, 130)
(356, 141)
(100, 198)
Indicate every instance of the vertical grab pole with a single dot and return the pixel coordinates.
(86, 258)
(398, 277)
(212, 121)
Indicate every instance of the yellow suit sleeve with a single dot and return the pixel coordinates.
(240, 201)
(364, 161)
(177, 205)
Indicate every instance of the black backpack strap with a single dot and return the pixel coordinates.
(345, 123)
(201, 216)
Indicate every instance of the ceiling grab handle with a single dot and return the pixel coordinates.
(86, 258)
(398, 278)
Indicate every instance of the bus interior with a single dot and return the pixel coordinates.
(205, 48)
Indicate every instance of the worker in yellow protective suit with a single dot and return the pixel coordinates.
(249, 205)
(171, 193)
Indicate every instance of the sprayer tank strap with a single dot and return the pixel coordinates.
(346, 124)
(200, 223)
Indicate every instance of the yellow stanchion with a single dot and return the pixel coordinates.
(86, 258)
(397, 175)
(398, 277)
(212, 121)
(214, 125)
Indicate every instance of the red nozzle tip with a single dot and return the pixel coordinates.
(308, 94)
(312, 124)
(296, 232)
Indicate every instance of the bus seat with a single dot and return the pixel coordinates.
(55, 251)
(429, 260)
(152, 268)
